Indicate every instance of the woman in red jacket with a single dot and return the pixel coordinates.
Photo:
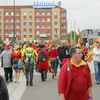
(43, 62)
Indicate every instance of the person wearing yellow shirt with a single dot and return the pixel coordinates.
(28, 57)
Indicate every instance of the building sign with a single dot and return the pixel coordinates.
(46, 4)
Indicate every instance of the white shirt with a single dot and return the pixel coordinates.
(96, 54)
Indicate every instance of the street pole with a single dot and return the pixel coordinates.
(14, 21)
(74, 30)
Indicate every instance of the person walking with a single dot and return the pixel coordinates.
(63, 52)
(6, 63)
(74, 81)
(96, 58)
(28, 57)
(53, 54)
(17, 63)
(43, 62)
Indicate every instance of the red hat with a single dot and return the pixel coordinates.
(7, 46)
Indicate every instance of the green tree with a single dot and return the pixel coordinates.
(72, 36)
(1, 41)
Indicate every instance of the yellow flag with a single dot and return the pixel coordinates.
(79, 39)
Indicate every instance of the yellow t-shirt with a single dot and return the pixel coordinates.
(25, 53)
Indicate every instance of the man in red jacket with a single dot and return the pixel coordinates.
(75, 80)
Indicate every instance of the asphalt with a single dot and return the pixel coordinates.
(48, 90)
(41, 90)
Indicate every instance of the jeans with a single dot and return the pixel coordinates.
(29, 69)
(43, 75)
(54, 65)
(97, 71)
(8, 73)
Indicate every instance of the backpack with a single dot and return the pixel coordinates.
(42, 56)
(29, 58)
(15, 61)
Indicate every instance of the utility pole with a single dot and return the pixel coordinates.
(13, 21)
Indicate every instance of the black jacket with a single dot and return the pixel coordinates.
(63, 52)
(3, 90)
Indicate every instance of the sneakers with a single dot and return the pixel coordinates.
(97, 83)
(11, 80)
(27, 83)
(31, 84)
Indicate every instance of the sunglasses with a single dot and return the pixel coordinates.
(97, 42)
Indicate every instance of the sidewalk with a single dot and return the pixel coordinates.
(16, 90)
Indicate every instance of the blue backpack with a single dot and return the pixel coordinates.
(42, 56)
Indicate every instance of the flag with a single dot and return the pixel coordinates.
(90, 55)
(79, 39)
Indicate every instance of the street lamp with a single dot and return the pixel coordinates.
(13, 21)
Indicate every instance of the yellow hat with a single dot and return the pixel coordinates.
(17, 47)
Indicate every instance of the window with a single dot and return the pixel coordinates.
(24, 26)
(17, 20)
(37, 32)
(48, 13)
(17, 13)
(12, 20)
(55, 13)
(42, 26)
(42, 32)
(48, 26)
(12, 33)
(24, 13)
(37, 26)
(30, 19)
(55, 19)
(6, 20)
(43, 13)
(48, 19)
(55, 25)
(6, 26)
(43, 20)
(98, 33)
(17, 26)
(12, 26)
(56, 31)
(37, 20)
(17, 32)
(63, 32)
(24, 18)
(0, 19)
(24, 32)
(30, 13)
(30, 31)
(6, 13)
(30, 25)
(48, 32)
(63, 19)
(12, 13)
(37, 13)
(62, 25)
(6, 32)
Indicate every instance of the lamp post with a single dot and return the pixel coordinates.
(13, 21)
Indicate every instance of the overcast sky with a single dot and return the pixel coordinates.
(82, 14)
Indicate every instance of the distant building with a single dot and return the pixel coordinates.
(31, 23)
(89, 35)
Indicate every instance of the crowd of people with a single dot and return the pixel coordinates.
(48, 57)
